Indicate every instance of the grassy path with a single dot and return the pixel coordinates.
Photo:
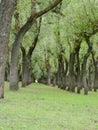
(38, 107)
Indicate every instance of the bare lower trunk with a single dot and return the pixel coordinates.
(84, 76)
(14, 69)
(2, 68)
(77, 68)
(91, 78)
(79, 84)
(26, 68)
(6, 10)
(48, 76)
(71, 72)
(30, 76)
(85, 84)
(61, 76)
(24, 71)
(84, 72)
(96, 75)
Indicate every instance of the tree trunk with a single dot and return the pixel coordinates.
(77, 69)
(30, 75)
(96, 75)
(27, 76)
(84, 78)
(3, 51)
(26, 68)
(71, 72)
(91, 78)
(61, 73)
(48, 75)
(7, 70)
(29, 63)
(84, 72)
(6, 10)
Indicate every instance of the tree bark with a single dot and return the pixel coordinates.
(71, 72)
(91, 76)
(61, 76)
(77, 68)
(84, 72)
(48, 70)
(26, 70)
(6, 11)
(18, 41)
(96, 75)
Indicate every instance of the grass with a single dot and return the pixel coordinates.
(38, 107)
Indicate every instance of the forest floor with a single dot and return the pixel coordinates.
(38, 107)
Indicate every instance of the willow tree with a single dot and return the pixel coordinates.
(27, 76)
(19, 38)
(6, 11)
(82, 23)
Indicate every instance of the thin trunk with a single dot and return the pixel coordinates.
(95, 62)
(30, 74)
(61, 73)
(96, 75)
(71, 72)
(91, 78)
(77, 69)
(24, 68)
(48, 77)
(84, 72)
(84, 78)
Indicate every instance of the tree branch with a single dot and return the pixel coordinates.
(32, 47)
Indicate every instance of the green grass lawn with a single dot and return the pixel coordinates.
(38, 107)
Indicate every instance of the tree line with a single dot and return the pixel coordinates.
(62, 64)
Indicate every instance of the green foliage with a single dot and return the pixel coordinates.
(40, 107)
(75, 18)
